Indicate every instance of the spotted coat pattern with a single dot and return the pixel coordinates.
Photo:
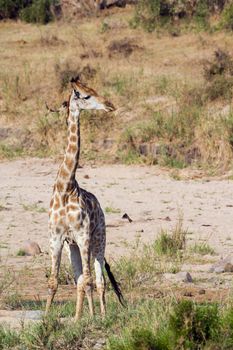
(76, 217)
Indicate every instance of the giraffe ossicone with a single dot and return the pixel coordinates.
(76, 216)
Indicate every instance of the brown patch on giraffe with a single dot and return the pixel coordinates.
(55, 218)
(64, 199)
(73, 138)
(77, 226)
(62, 212)
(72, 149)
(73, 128)
(64, 173)
(73, 199)
(71, 218)
(60, 186)
(51, 202)
(56, 205)
(72, 207)
(69, 163)
(61, 222)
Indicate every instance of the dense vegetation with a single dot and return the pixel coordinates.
(34, 11)
(187, 119)
(148, 13)
(153, 13)
(147, 323)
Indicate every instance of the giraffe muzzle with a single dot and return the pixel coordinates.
(109, 107)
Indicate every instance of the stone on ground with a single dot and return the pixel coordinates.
(31, 248)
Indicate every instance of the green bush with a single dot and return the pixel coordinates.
(227, 17)
(38, 12)
(194, 324)
(8, 338)
(219, 76)
(202, 14)
(147, 14)
(140, 339)
(11, 8)
(151, 13)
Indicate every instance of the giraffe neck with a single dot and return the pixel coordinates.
(66, 173)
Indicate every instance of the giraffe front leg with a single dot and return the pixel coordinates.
(56, 245)
(84, 283)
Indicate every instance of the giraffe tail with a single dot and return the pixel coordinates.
(115, 284)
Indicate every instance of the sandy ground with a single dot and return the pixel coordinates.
(149, 196)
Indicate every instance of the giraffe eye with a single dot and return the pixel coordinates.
(77, 94)
(87, 97)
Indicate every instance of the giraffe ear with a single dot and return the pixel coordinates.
(75, 79)
(65, 104)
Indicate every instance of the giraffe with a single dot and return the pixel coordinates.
(75, 215)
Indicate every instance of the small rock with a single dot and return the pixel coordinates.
(201, 291)
(31, 248)
(228, 267)
(219, 266)
(184, 277)
(86, 177)
(99, 344)
(126, 216)
(179, 277)
(219, 269)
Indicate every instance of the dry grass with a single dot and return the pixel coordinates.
(45, 56)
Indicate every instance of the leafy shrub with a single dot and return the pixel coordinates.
(222, 64)
(147, 14)
(139, 339)
(11, 8)
(227, 17)
(151, 13)
(38, 12)
(227, 328)
(171, 243)
(219, 75)
(202, 249)
(194, 324)
(8, 338)
(220, 87)
(202, 14)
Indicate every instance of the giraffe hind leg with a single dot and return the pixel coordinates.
(84, 283)
(98, 252)
(56, 245)
(100, 282)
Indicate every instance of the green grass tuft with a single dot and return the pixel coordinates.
(21, 252)
(202, 249)
(111, 210)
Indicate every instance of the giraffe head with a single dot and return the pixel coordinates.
(84, 98)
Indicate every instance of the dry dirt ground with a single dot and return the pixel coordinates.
(149, 195)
